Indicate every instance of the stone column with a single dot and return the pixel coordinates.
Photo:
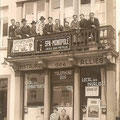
(18, 96)
(76, 94)
(76, 7)
(47, 95)
(111, 92)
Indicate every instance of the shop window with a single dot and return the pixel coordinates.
(62, 96)
(34, 86)
(68, 3)
(85, 1)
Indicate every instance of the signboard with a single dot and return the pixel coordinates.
(91, 61)
(55, 44)
(62, 75)
(93, 109)
(23, 45)
(91, 91)
(30, 66)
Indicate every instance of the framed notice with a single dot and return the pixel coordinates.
(23, 45)
(92, 91)
(93, 109)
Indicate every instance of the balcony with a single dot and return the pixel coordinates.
(82, 40)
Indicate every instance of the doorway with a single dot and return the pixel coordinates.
(3, 99)
(62, 91)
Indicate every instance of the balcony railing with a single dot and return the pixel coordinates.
(74, 40)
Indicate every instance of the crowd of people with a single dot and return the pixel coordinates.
(16, 30)
(56, 116)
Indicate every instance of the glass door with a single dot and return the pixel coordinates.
(34, 96)
(3, 99)
(63, 99)
(62, 91)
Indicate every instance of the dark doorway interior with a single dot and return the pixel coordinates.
(3, 99)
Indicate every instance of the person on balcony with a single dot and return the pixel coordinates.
(48, 29)
(55, 115)
(66, 26)
(75, 22)
(40, 26)
(18, 30)
(33, 29)
(25, 29)
(83, 23)
(57, 27)
(12, 29)
(94, 24)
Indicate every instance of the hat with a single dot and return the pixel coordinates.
(33, 22)
(42, 18)
(23, 20)
(50, 17)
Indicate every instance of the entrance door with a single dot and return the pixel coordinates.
(90, 93)
(34, 96)
(3, 99)
(62, 91)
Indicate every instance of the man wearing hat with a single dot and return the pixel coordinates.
(75, 22)
(40, 26)
(33, 29)
(48, 29)
(25, 29)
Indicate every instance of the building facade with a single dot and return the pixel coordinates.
(58, 70)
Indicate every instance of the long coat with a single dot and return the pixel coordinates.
(57, 28)
(12, 29)
(95, 22)
(83, 23)
(74, 24)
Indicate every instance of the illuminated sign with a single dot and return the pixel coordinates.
(23, 45)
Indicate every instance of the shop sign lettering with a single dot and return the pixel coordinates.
(30, 66)
(91, 61)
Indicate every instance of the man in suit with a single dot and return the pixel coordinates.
(83, 24)
(18, 30)
(93, 23)
(12, 29)
(33, 29)
(57, 27)
(48, 29)
(25, 29)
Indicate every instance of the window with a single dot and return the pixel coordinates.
(40, 6)
(63, 96)
(5, 28)
(85, 1)
(68, 3)
(34, 87)
(55, 4)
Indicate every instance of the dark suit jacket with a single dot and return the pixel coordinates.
(12, 30)
(25, 30)
(96, 23)
(48, 28)
(83, 23)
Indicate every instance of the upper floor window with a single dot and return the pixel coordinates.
(85, 1)
(55, 4)
(68, 3)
